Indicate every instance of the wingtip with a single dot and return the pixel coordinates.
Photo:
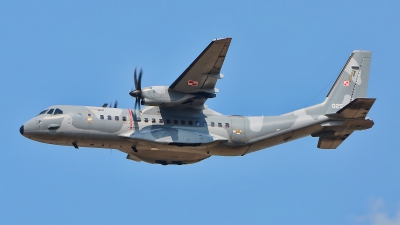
(366, 51)
(218, 39)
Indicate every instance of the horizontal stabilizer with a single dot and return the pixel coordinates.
(352, 117)
(358, 108)
(334, 141)
(334, 134)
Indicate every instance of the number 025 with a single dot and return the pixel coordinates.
(337, 106)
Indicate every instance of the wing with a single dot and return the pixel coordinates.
(202, 75)
(173, 137)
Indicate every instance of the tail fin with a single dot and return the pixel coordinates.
(352, 82)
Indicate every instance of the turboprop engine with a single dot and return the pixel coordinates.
(162, 96)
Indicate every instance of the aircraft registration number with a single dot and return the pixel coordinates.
(337, 106)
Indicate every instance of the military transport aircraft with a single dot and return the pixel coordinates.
(177, 127)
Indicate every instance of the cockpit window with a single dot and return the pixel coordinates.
(42, 112)
(50, 111)
(58, 111)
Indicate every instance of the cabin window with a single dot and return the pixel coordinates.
(175, 121)
(109, 117)
(197, 123)
(116, 118)
(58, 111)
(138, 119)
(102, 117)
(183, 122)
(124, 118)
(161, 121)
(204, 124)
(219, 124)
(146, 120)
(226, 125)
(168, 121)
(153, 120)
(50, 111)
(190, 122)
(212, 124)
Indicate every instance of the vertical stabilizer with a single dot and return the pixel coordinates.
(352, 83)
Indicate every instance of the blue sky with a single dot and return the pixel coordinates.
(284, 55)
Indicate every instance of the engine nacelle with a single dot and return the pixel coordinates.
(162, 96)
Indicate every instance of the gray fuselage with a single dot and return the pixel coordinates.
(170, 137)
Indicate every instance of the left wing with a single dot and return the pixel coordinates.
(202, 75)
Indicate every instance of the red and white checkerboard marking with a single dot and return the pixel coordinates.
(192, 83)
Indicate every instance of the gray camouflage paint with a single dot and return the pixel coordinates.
(183, 144)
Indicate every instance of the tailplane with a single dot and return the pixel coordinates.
(346, 104)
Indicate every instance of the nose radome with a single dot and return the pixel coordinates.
(21, 129)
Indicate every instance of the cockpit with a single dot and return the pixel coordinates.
(52, 111)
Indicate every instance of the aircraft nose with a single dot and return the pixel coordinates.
(21, 129)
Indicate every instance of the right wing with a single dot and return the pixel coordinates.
(173, 136)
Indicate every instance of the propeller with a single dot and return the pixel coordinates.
(137, 93)
(115, 104)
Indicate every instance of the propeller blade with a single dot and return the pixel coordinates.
(137, 93)
(116, 104)
(140, 80)
(135, 111)
(135, 79)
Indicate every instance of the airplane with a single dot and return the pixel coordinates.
(176, 127)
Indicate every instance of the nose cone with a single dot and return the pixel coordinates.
(21, 129)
